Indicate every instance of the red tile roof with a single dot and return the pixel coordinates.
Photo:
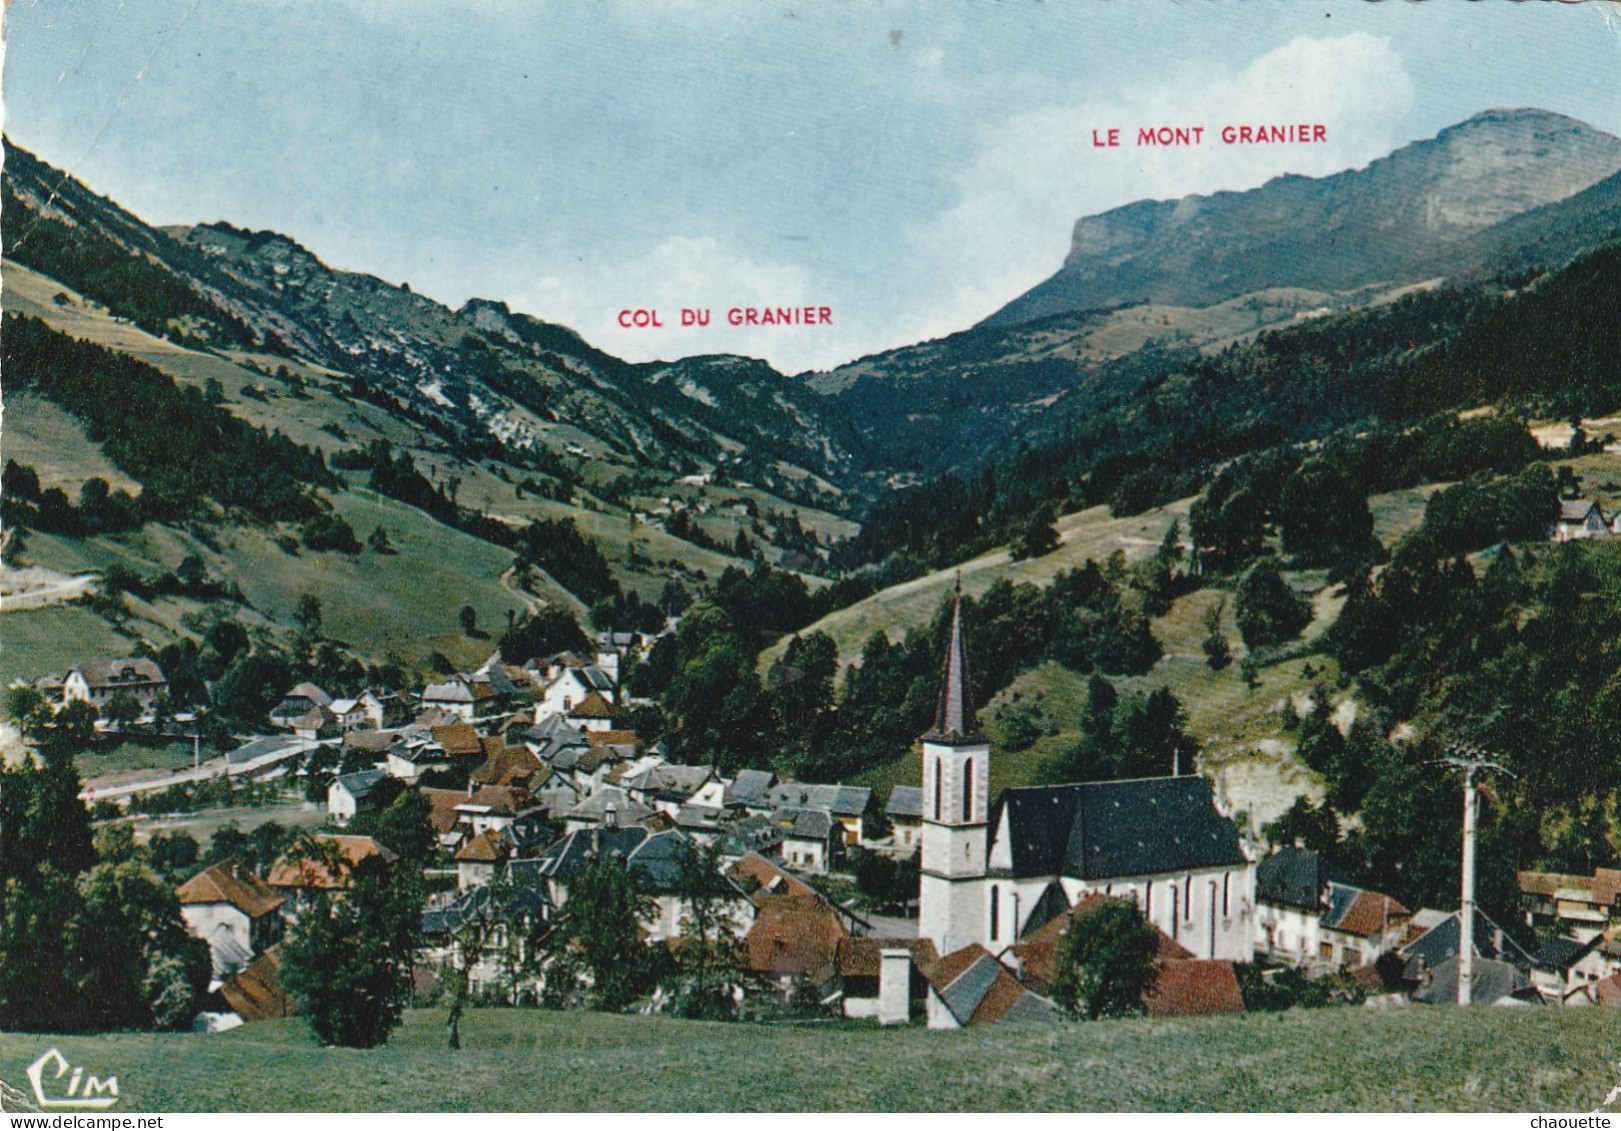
(255, 992)
(459, 740)
(1194, 986)
(488, 847)
(289, 873)
(593, 706)
(1037, 952)
(863, 958)
(229, 882)
(1370, 914)
(760, 878)
(794, 935)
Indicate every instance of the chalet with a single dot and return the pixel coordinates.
(1579, 519)
(471, 699)
(409, 753)
(299, 704)
(509, 765)
(1579, 906)
(98, 681)
(297, 880)
(757, 834)
(905, 815)
(233, 911)
(445, 916)
(550, 737)
(384, 708)
(592, 714)
(360, 792)
(459, 740)
(351, 716)
(1357, 926)
(794, 940)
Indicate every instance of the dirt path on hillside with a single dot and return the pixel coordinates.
(36, 588)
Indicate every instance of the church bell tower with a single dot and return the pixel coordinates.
(956, 810)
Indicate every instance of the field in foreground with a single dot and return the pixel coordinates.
(1333, 1060)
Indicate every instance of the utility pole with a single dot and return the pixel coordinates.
(1471, 760)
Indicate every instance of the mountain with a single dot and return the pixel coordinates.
(1393, 222)
(482, 376)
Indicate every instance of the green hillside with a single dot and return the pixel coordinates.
(1413, 1059)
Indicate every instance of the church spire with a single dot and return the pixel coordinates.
(954, 713)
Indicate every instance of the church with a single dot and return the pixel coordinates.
(991, 874)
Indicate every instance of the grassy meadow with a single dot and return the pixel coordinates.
(1410, 1059)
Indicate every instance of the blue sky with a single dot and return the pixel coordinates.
(913, 166)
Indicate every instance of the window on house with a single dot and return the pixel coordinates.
(996, 910)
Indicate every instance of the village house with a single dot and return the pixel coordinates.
(448, 916)
(970, 987)
(608, 807)
(849, 805)
(1566, 972)
(655, 860)
(669, 788)
(476, 700)
(811, 839)
(233, 911)
(1309, 918)
(361, 792)
(1502, 967)
(568, 686)
(98, 681)
(298, 880)
(350, 715)
(298, 703)
(1579, 519)
(1581, 907)
(384, 708)
(750, 791)
(480, 855)
(860, 964)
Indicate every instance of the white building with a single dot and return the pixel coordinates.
(98, 681)
(232, 910)
(1159, 841)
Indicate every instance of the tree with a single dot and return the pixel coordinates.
(708, 959)
(347, 958)
(74, 725)
(377, 541)
(1268, 612)
(1105, 961)
(469, 620)
(308, 614)
(602, 921)
(122, 709)
(1037, 537)
(27, 708)
(1218, 654)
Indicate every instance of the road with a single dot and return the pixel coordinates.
(250, 758)
(34, 588)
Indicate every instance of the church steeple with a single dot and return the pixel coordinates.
(954, 721)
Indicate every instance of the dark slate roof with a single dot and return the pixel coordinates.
(750, 788)
(1493, 981)
(361, 783)
(754, 834)
(954, 719)
(905, 801)
(969, 988)
(840, 800)
(1294, 877)
(1440, 943)
(1562, 954)
(528, 897)
(804, 824)
(1101, 830)
(655, 859)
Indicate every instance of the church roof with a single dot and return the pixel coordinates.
(1101, 830)
(954, 720)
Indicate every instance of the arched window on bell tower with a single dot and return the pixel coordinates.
(968, 790)
(996, 910)
(939, 785)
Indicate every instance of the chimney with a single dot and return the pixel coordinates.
(596, 839)
(611, 815)
(894, 986)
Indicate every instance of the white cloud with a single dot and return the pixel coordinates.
(691, 272)
(1038, 172)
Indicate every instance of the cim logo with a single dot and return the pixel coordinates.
(82, 1091)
